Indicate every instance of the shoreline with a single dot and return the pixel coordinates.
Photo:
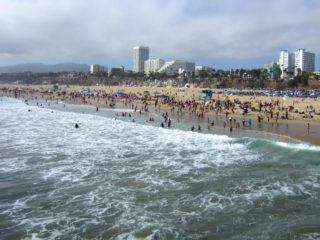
(292, 130)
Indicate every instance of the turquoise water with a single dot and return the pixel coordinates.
(115, 179)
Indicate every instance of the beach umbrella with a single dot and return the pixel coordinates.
(120, 92)
(155, 93)
(168, 86)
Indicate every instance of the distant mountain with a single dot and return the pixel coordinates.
(43, 68)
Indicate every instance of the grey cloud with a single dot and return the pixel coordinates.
(172, 29)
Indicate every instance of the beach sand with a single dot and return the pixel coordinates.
(295, 127)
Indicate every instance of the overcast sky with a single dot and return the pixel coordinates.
(218, 33)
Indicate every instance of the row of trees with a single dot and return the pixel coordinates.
(228, 78)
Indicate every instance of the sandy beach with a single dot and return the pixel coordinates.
(291, 121)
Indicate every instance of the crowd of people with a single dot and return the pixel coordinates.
(239, 113)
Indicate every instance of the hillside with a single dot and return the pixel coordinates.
(44, 68)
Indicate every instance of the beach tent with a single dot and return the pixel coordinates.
(226, 98)
(155, 93)
(164, 96)
(85, 90)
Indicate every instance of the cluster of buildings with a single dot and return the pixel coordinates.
(291, 64)
(142, 63)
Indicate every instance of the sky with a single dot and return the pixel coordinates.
(222, 34)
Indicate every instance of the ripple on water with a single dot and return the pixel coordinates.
(117, 179)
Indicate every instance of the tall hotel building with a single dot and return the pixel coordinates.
(140, 54)
(305, 61)
(286, 62)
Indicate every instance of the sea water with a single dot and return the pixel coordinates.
(112, 178)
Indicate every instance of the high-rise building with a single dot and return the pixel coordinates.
(304, 61)
(153, 65)
(140, 54)
(287, 63)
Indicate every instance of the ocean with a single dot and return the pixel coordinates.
(112, 178)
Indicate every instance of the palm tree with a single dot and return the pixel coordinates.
(286, 72)
(299, 71)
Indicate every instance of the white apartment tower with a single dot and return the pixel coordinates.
(304, 61)
(287, 63)
(153, 65)
(140, 54)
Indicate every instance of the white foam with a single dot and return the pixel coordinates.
(120, 170)
(297, 147)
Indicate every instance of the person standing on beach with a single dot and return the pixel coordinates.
(308, 128)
